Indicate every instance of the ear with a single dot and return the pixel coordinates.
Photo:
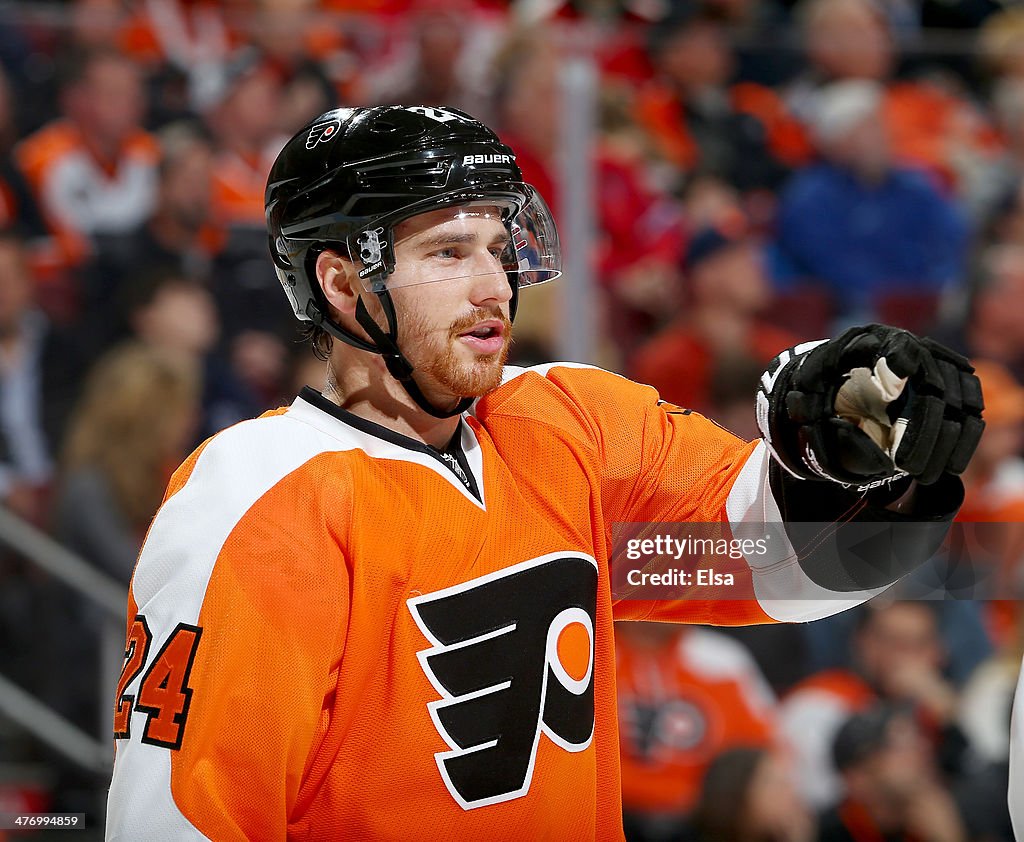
(337, 279)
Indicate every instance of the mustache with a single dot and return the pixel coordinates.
(478, 315)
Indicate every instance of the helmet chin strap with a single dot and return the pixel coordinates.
(398, 366)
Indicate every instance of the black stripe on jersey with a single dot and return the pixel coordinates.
(452, 456)
(677, 410)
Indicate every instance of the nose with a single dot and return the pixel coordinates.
(490, 283)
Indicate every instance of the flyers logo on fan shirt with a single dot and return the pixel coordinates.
(512, 657)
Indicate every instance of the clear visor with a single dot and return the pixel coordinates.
(506, 232)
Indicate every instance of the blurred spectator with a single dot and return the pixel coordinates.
(243, 110)
(183, 45)
(175, 315)
(1001, 47)
(898, 655)
(40, 368)
(994, 480)
(741, 133)
(734, 378)
(639, 231)
(179, 236)
(245, 122)
(709, 201)
(994, 501)
(527, 105)
(309, 53)
(133, 426)
(759, 31)
(685, 694)
(993, 329)
(988, 698)
(879, 237)
(18, 207)
(96, 24)
(307, 93)
(436, 59)
(727, 290)
(748, 796)
(893, 786)
(641, 236)
(930, 121)
(94, 170)
(843, 39)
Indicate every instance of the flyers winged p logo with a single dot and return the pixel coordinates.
(512, 657)
(322, 132)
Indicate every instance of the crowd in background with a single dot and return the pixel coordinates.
(765, 172)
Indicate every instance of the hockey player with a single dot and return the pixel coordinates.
(385, 611)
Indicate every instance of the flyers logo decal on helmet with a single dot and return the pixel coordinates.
(512, 657)
(322, 132)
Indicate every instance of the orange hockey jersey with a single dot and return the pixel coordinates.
(333, 636)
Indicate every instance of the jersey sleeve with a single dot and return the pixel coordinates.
(664, 464)
(237, 618)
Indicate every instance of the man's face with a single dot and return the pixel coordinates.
(849, 40)
(249, 114)
(734, 276)
(186, 187)
(182, 317)
(897, 640)
(902, 765)
(111, 99)
(698, 57)
(452, 298)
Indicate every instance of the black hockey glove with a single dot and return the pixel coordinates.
(873, 405)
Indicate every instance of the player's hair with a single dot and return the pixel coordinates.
(125, 424)
(318, 339)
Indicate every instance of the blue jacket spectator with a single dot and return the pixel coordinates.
(858, 224)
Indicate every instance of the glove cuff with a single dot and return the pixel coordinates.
(780, 433)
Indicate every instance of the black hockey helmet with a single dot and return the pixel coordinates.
(351, 175)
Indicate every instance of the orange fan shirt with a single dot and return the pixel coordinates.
(81, 195)
(680, 705)
(333, 636)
